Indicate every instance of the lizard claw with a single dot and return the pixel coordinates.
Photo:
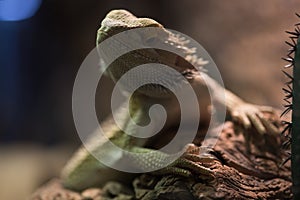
(250, 115)
(192, 162)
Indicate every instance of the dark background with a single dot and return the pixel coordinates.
(40, 56)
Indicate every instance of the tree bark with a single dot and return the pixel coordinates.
(239, 174)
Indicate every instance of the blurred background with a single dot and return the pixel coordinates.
(40, 53)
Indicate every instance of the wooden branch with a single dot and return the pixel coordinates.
(240, 174)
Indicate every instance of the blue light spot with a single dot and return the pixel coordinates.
(15, 10)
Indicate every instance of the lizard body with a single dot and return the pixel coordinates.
(83, 170)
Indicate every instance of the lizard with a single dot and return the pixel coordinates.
(84, 170)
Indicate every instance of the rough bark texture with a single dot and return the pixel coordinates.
(239, 174)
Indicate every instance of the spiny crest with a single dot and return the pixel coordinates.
(190, 52)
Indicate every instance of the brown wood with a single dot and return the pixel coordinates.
(240, 174)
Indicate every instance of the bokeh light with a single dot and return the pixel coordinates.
(15, 10)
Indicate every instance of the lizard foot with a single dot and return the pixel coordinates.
(191, 163)
(250, 115)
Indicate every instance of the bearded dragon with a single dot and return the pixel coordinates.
(84, 170)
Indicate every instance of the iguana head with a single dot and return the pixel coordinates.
(118, 21)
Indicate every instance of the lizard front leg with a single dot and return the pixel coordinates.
(249, 115)
(193, 161)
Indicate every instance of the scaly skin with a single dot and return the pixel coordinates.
(83, 170)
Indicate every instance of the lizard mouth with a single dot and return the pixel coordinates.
(101, 36)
